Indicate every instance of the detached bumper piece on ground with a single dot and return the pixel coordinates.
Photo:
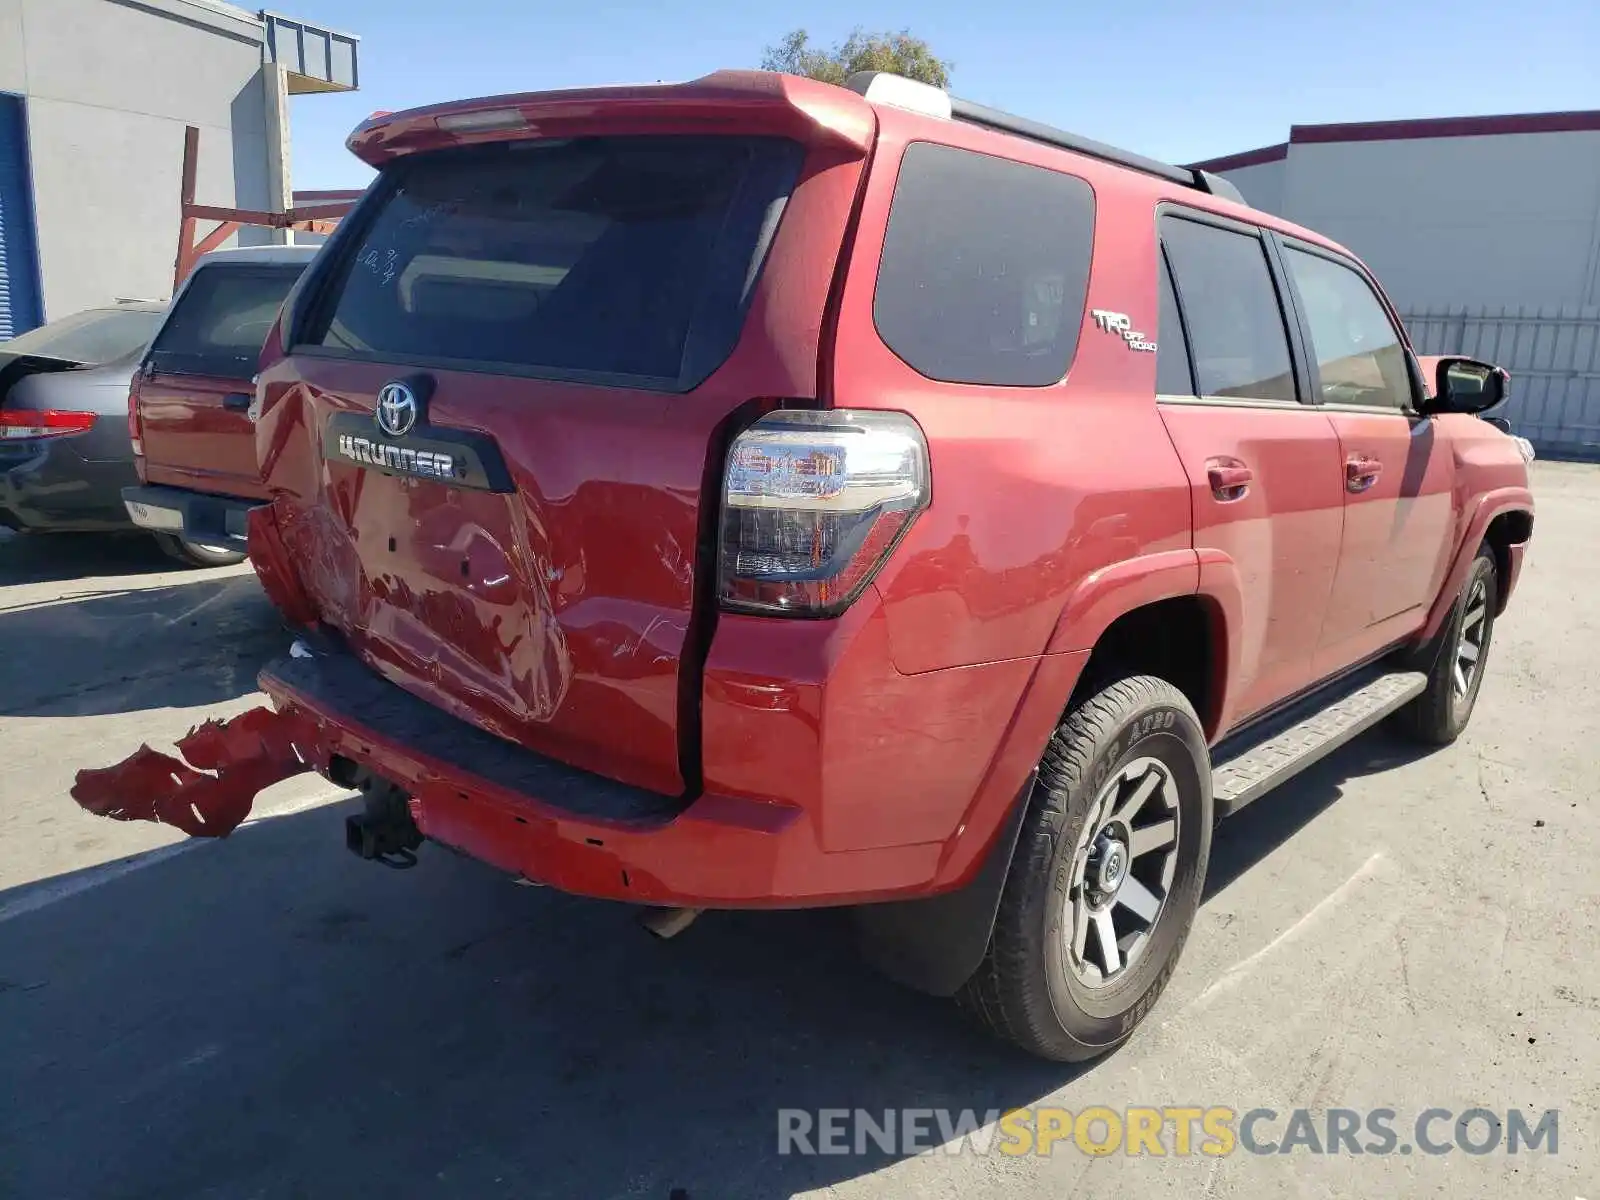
(228, 764)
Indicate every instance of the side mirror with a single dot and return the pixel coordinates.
(1466, 385)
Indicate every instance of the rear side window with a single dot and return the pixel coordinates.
(222, 318)
(630, 257)
(1235, 323)
(1173, 377)
(985, 266)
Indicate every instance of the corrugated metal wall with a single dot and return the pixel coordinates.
(1553, 354)
(19, 284)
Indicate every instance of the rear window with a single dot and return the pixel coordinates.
(985, 267)
(97, 335)
(628, 258)
(222, 318)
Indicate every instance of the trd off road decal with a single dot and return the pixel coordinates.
(1122, 325)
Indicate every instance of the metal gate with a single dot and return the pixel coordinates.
(1553, 354)
(19, 285)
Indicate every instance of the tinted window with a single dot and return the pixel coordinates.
(223, 316)
(985, 265)
(1236, 328)
(1173, 377)
(597, 256)
(97, 335)
(1359, 355)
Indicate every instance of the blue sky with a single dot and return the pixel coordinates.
(1179, 81)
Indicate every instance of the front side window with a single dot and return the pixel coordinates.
(1236, 328)
(608, 256)
(1360, 357)
(985, 267)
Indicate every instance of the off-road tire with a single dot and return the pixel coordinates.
(192, 554)
(1438, 716)
(1024, 990)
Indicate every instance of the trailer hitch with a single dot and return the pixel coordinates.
(385, 831)
(210, 794)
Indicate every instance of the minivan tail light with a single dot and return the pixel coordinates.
(44, 423)
(813, 502)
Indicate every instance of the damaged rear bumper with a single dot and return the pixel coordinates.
(209, 792)
(550, 823)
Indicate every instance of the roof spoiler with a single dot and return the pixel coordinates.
(885, 87)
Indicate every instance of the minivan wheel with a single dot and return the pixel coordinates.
(1459, 655)
(196, 554)
(1106, 878)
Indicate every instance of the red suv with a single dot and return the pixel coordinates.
(759, 493)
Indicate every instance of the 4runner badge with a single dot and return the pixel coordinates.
(1122, 325)
(429, 464)
(397, 438)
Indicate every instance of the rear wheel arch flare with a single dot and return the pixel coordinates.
(1182, 639)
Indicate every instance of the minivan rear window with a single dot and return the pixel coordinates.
(221, 319)
(985, 267)
(627, 258)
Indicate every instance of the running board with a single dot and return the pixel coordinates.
(1252, 763)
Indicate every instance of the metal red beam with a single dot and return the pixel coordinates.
(317, 218)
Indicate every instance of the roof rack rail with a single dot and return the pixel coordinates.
(886, 87)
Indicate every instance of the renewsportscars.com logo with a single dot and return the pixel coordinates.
(1173, 1130)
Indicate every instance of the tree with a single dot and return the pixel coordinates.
(900, 53)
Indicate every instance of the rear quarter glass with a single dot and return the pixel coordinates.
(985, 267)
(610, 259)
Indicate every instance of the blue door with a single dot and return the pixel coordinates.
(19, 282)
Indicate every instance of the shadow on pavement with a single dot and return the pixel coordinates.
(267, 1016)
(126, 649)
(1250, 835)
(58, 557)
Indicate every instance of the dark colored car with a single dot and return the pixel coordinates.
(189, 407)
(64, 450)
(759, 493)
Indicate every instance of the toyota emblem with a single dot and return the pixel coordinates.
(397, 409)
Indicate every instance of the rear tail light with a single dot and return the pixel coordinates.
(46, 423)
(813, 502)
(135, 431)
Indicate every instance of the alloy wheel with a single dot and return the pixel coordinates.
(1122, 872)
(1470, 642)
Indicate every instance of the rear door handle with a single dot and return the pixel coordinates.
(237, 401)
(1361, 471)
(1230, 479)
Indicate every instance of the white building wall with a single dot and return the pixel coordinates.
(108, 88)
(1503, 220)
(1261, 184)
(1508, 219)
